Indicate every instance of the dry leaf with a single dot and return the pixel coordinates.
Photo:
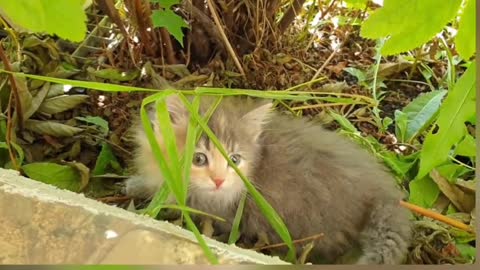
(462, 201)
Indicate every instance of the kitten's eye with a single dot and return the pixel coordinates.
(236, 159)
(200, 159)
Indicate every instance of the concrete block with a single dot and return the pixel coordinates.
(41, 224)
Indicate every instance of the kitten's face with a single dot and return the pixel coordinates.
(238, 127)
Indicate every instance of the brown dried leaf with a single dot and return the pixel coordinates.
(462, 201)
(389, 69)
(51, 128)
(24, 94)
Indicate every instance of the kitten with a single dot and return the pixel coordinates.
(316, 180)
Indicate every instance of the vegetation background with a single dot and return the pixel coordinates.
(397, 76)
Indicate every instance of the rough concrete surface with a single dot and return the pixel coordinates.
(41, 224)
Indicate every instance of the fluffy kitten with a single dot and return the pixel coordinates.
(317, 180)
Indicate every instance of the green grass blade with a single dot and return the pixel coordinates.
(189, 150)
(235, 232)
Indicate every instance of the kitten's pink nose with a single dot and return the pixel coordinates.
(218, 182)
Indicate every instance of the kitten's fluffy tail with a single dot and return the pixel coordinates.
(386, 236)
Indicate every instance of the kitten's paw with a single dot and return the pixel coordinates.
(137, 187)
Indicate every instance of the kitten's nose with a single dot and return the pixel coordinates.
(218, 182)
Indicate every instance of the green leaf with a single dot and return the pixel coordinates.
(409, 23)
(401, 123)
(343, 122)
(467, 147)
(37, 100)
(464, 40)
(235, 232)
(105, 159)
(424, 192)
(61, 176)
(61, 103)
(102, 123)
(451, 171)
(356, 4)
(171, 21)
(357, 73)
(467, 251)
(400, 164)
(66, 19)
(51, 128)
(458, 106)
(166, 3)
(421, 111)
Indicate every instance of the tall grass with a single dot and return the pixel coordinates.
(176, 166)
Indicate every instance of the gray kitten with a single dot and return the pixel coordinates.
(317, 181)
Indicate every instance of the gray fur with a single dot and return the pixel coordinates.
(318, 181)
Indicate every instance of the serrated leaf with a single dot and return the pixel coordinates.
(37, 100)
(102, 123)
(465, 40)
(66, 19)
(420, 112)
(423, 192)
(458, 106)
(105, 159)
(51, 128)
(171, 21)
(61, 103)
(61, 176)
(409, 23)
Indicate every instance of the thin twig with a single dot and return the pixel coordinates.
(8, 137)
(437, 216)
(313, 237)
(14, 89)
(230, 50)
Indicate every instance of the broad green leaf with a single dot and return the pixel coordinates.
(66, 19)
(171, 21)
(465, 40)
(102, 123)
(420, 112)
(458, 106)
(409, 23)
(51, 128)
(61, 176)
(61, 103)
(105, 159)
(423, 192)
(357, 73)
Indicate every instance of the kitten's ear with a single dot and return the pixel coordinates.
(177, 110)
(257, 117)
